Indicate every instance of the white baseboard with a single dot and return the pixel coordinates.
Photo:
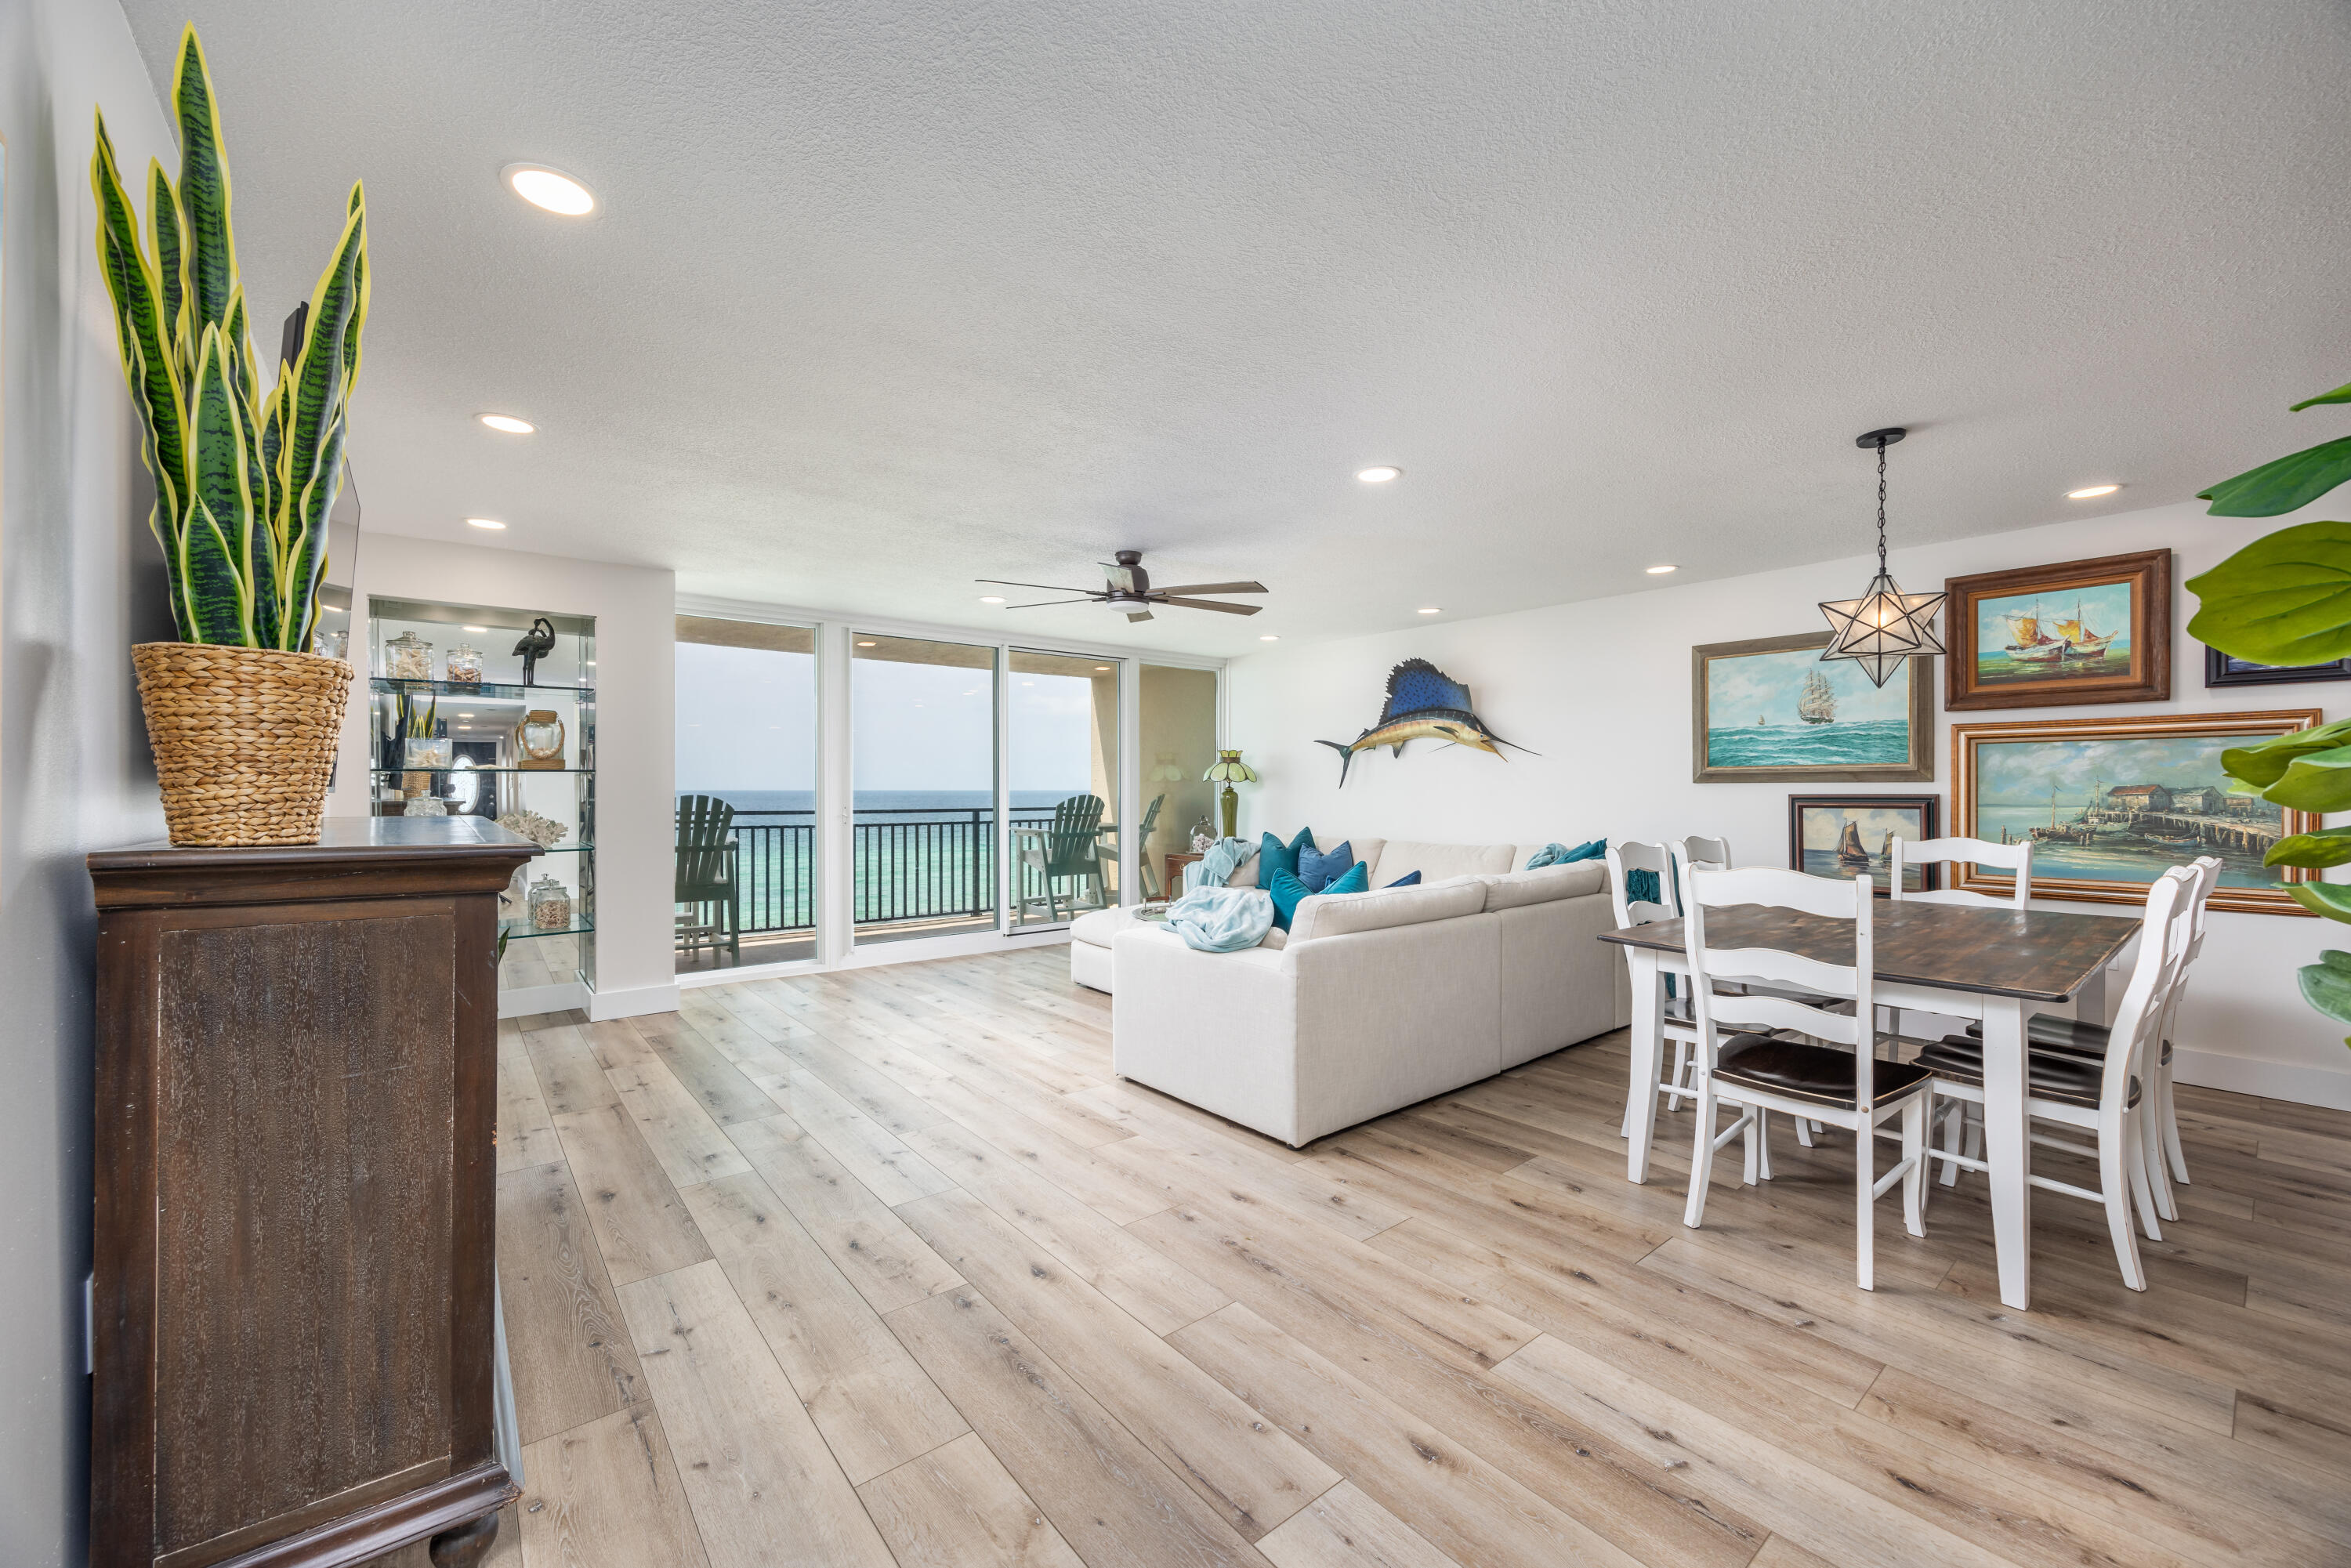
(2269, 1079)
(635, 1002)
(524, 1002)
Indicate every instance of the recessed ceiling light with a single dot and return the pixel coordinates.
(2091, 492)
(992, 599)
(464, 716)
(507, 423)
(1432, 611)
(484, 523)
(472, 629)
(1379, 474)
(1660, 571)
(865, 644)
(1267, 637)
(549, 188)
(1099, 668)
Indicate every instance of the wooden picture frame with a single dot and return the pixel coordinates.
(2220, 670)
(2050, 668)
(1806, 749)
(1928, 810)
(2112, 840)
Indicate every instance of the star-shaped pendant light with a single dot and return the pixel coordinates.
(1885, 625)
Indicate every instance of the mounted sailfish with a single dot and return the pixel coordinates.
(1424, 703)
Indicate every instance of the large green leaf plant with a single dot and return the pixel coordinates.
(2285, 599)
(244, 476)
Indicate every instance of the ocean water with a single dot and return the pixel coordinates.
(1875, 742)
(1994, 668)
(2116, 858)
(1824, 862)
(955, 802)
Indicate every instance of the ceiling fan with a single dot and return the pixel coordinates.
(1129, 589)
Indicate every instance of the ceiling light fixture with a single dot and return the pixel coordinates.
(1379, 474)
(1661, 571)
(483, 629)
(2091, 492)
(865, 644)
(507, 422)
(992, 599)
(1885, 625)
(1432, 610)
(491, 523)
(1100, 668)
(552, 189)
(1267, 637)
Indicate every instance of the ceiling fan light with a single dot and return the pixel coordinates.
(1379, 474)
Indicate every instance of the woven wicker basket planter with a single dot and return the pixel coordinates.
(244, 737)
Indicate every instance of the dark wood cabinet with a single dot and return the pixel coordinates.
(295, 1191)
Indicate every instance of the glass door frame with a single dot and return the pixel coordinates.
(836, 944)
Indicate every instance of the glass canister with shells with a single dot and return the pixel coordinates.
(408, 657)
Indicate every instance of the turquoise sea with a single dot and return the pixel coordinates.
(2114, 857)
(1884, 742)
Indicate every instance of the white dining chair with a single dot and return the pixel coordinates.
(1714, 853)
(1625, 858)
(1759, 1072)
(1902, 855)
(2105, 1096)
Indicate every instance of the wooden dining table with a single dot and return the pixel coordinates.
(1998, 964)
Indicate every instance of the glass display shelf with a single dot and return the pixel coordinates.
(486, 689)
(525, 772)
(517, 930)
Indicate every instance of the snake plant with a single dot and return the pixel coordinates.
(244, 476)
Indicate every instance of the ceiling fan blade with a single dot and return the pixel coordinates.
(1134, 615)
(1047, 587)
(1216, 588)
(1088, 599)
(1212, 605)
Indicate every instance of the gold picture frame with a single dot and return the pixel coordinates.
(2126, 795)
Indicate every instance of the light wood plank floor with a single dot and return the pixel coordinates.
(885, 1267)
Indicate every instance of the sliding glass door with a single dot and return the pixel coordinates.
(1177, 742)
(745, 880)
(923, 756)
(1061, 756)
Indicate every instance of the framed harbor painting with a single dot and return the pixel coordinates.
(1768, 710)
(2110, 804)
(1846, 836)
(2078, 631)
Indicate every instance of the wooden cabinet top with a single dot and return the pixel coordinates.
(354, 857)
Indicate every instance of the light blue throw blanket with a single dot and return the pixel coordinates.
(1216, 864)
(1222, 919)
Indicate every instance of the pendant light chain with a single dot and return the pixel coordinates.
(1881, 506)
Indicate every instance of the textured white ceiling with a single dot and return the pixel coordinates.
(881, 298)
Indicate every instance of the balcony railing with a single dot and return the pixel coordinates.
(912, 863)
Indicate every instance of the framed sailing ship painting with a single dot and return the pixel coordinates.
(1847, 836)
(2078, 631)
(2109, 804)
(1768, 710)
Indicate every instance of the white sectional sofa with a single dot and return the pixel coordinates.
(1371, 1001)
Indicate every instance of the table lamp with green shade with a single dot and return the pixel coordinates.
(1228, 769)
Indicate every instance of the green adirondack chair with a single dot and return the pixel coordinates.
(1068, 848)
(708, 884)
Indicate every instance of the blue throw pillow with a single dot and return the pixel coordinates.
(1286, 891)
(1356, 878)
(1317, 868)
(1274, 857)
(1409, 879)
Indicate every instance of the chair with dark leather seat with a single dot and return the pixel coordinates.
(2105, 1096)
(1757, 1072)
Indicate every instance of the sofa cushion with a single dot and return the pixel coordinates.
(1367, 853)
(1519, 888)
(1099, 926)
(1325, 916)
(1435, 863)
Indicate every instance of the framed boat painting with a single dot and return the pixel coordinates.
(1768, 711)
(1846, 836)
(2057, 636)
(2220, 670)
(2109, 804)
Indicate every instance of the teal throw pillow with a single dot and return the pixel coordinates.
(1286, 892)
(1274, 857)
(1357, 878)
(1317, 868)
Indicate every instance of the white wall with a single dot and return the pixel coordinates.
(1601, 689)
(635, 609)
(80, 580)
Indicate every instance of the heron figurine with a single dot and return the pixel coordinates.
(536, 644)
